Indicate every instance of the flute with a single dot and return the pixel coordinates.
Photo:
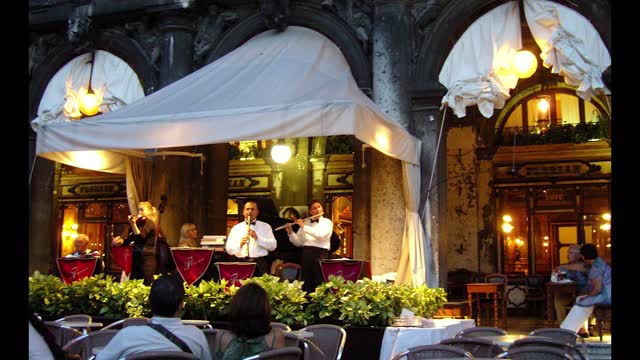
(307, 218)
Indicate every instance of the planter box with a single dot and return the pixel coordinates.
(363, 343)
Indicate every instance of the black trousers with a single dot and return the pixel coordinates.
(311, 272)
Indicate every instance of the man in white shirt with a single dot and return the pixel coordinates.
(251, 240)
(314, 235)
(167, 300)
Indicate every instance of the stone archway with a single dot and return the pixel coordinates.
(321, 21)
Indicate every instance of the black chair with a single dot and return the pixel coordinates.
(559, 344)
(476, 346)
(162, 355)
(536, 295)
(210, 335)
(535, 353)
(285, 353)
(432, 352)
(62, 334)
(480, 331)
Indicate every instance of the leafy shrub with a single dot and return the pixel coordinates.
(287, 299)
(208, 301)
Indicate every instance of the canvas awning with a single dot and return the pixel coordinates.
(277, 85)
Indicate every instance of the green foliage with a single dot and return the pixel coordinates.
(208, 301)
(370, 303)
(339, 144)
(46, 295)
(287, 299)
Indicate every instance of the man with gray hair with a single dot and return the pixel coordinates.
(575, 270)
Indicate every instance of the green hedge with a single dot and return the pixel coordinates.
(363, 303)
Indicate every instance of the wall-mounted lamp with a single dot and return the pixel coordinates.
(543, 113)
(506, 224)
(524, 64)
(281, 153)
(89, 101)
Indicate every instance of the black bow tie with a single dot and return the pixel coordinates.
(315, 220)
(253, 223)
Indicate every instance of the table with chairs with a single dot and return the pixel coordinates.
(398, 339)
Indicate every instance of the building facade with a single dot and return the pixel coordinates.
(557, 189)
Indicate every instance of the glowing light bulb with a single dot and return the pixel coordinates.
(524, 64)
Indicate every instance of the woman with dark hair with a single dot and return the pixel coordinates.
(598, 290)
(251, 332)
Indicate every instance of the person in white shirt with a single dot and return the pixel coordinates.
(251, 240)
(167, 300)
(314, 235)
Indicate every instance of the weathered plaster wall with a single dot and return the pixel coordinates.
(462, 199)
(487, 237)
(387, 213)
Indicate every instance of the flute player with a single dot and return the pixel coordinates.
(314, 235)
(251, 240)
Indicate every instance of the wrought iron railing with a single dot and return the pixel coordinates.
(558, 134)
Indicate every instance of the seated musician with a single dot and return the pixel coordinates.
(81, 244)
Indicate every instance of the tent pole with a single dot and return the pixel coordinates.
(435, 159)
(33, 166)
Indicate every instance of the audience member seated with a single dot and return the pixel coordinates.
(82, 250)
(189, 235)
(598, 290)
(575, 270)
(251, 331)
(164, 331)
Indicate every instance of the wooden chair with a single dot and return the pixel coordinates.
(535, 353)
(432, 352)
(285, 353)
(329, 338)
(536, 295)
(476, 346)
(502, 301)
(289, 271)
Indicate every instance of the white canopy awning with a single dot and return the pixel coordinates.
(277, 85)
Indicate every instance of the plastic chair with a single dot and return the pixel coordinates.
(309, 350)
(432, 352)
(480, 331)
(476, 346)
(535, 353)
(162, 355)
(285, 353)
(289, 271)
(62, 334)
(85, 344)
(329, 338)
(123, 323)
(210, 335)
(76, 317)
(573, 350)
(560, 334)
(281, 326)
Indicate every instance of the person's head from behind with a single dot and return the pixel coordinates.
(81, 243)
(573, 255)
(188, 231)
(166, 296)
(291, 213)
(589, 252)
(250, 311)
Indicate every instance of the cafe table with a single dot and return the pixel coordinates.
(398, 339)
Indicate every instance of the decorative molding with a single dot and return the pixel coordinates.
(209, 29)
(275, 13)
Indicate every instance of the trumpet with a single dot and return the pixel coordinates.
(312, 217)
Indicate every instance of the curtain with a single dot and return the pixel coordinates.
(491, 42)
(138, 175)
(411, 269)
(570, 45)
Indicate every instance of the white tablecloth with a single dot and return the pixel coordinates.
(397, 339)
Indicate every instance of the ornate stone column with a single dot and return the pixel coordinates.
(176, 59)
(391, 64)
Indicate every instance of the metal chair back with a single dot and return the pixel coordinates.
(329, 338)
(432, 352)
(481, 331)
(535, 353)
(476, 346)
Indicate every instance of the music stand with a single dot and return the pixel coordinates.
(233, 272)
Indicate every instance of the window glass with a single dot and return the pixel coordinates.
(567, 109)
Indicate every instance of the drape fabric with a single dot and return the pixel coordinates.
(570, 45)
(138, 177)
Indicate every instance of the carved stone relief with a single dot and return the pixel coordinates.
(276, 13)
(357, 13)
(209, 29)
(40, 46)
(147, 36)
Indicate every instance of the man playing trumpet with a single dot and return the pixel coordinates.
(251, 240)
(314, 235)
